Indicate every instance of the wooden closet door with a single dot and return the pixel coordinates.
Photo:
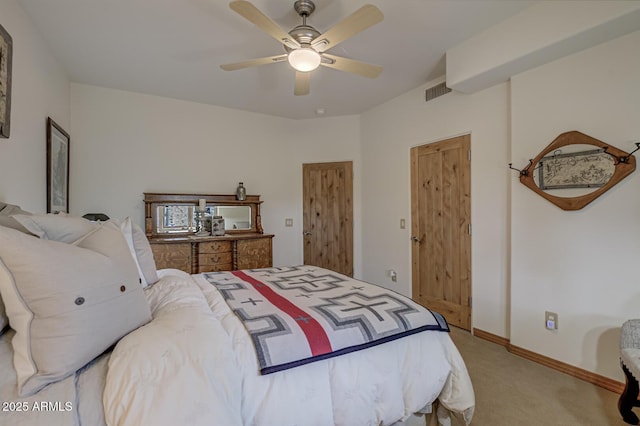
(328, 215)
(441, 231)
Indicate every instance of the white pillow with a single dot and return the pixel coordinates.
(6, 219)
(56, 227)
(125, 228)
(67, 303)
(6, 216)
(140, 250)
(4, 321)
(67, 229)
(144, 254)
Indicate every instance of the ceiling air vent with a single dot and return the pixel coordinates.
(437, 90)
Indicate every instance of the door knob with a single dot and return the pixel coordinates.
(306, 233)
(415, 239)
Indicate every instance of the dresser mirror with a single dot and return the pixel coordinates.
(575, 169)
(175, 214)
(176, 218)
(235, 217)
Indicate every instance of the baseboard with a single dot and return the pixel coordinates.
(587, 376)
(502, 341)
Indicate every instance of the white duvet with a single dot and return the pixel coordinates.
(194, 364)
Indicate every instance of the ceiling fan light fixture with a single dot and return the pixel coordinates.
(304, 59)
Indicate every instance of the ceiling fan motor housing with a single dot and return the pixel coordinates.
(304, 7)
(303, 34)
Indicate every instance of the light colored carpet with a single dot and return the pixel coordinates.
(511, 390)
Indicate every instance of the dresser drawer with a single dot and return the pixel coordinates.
(215, 268)
(176, 256)
(212, 258)
(254, 253)
(214, 246)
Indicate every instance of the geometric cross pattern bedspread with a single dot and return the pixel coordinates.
(301, 314)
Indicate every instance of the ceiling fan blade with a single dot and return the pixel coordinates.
(303, 81)
(350, 65)
(359, 20)
(251, 13)
(254, 62)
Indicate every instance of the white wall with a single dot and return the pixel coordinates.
(128, 143)
(388, 133)
(518, 43)
(581, 265)
(40, 89)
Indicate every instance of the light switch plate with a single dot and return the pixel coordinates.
(288, 222)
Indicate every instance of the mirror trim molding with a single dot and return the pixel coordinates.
(152, 200)
(624, 164)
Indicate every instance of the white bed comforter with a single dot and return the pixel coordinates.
(195, 364)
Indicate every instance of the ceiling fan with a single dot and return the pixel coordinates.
(305, 46)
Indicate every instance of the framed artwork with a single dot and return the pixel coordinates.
(584, 169)
(6, 51)
(57, 168)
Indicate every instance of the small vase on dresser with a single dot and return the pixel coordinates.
(241, 192)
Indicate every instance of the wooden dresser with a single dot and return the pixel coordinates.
(246, 248)
(210, 254)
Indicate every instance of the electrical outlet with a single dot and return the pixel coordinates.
(394, 275)
(551, 320)
(288, 222)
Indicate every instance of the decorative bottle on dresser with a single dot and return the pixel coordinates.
(241, 192)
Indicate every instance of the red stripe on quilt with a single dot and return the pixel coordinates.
(316, 336)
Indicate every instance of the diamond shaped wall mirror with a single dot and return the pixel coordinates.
(575, 169)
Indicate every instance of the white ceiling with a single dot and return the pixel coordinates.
(175, 49)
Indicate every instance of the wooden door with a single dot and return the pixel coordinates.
(441, 228)
(328, 215)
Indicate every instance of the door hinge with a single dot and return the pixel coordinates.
(470, 301)
(469, 155)
(469, 229)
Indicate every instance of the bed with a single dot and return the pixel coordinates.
(165, 347)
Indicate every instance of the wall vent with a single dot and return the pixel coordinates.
(437, 90)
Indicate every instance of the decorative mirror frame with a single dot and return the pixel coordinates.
(624, 163)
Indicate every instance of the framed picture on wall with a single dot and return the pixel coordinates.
(6, 50)
(583, 169)
(57, 168)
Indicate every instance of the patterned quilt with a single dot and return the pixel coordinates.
(300, 314)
